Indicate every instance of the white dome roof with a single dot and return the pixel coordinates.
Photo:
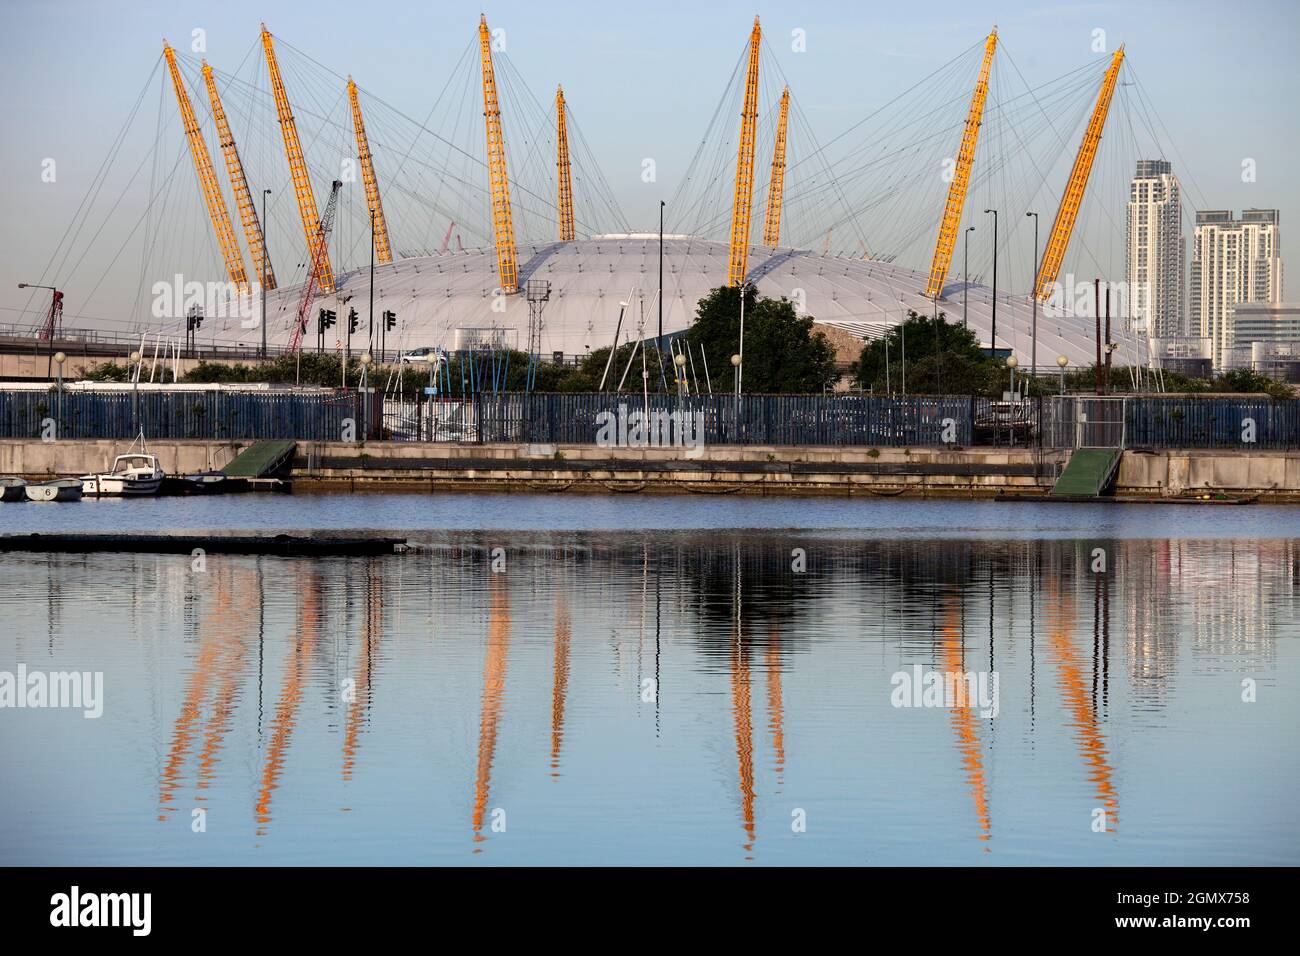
(434, 296)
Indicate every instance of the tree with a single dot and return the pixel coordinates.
(782, 352)
(928, 356)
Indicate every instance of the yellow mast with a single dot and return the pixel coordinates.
(298, 170)
(503, 226)
(239, 186)
(952, 209)
(208, 179)
(1073, 197)
(383, 251)
(565, 181)
(772, 227)
(742, 203)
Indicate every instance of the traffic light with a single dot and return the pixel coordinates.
(390, 320)
(327, 319)
(352, 321)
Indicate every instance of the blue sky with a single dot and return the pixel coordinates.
(644, 78)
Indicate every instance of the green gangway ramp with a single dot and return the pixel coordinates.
(1089, 473)
(260, 459)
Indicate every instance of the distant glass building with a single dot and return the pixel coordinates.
(1266, 338)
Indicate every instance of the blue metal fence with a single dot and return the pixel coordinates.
(866, 420)
(183, 414)
(1212, 422)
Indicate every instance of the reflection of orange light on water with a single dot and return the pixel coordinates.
(212, 646)
(494, 683)
(776, 713)
(230, 675)
(290, 697)
(744, 734)
(964, 722)
(1074, 690)
(374, 628)
(560, 684)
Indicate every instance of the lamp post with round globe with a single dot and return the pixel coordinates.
(1062, 362)
(365, 396)
(735, 364)
(134, 365)
(680, 362)
(59, 359)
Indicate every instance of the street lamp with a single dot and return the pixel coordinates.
(993, 333)
(735, 363)
(1033, 294)
(741, 355)
(965, 286)
(134, 359)
(59, 359)
(1011, 364)
(680, 362)
(1062, 362)
(365, 400)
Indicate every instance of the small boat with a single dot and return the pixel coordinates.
(205, 483)
(132, 476)
(61, 489)
(12, 489)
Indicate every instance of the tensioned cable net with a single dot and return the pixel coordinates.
(859, 217)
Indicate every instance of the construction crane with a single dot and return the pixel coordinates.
(951, 223)
(564, 181)
(239, 186)
(53, 318)
(742, 203)
(318, 264)
(208, 179)
(383, 251)
(297, 168)
(1072, 200)
(503, 226)
(776, 188)
(447, 237)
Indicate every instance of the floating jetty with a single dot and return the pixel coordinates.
(278, 544)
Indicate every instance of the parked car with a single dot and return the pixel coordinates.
(418, 355)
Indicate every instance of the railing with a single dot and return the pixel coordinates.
(320, 416)
(1046, 424)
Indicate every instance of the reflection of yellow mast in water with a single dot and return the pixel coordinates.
(231, 671)
(744, 733)
(1074, 689)
(964, 719)
(775, 711)
(560, 686)
(286, 711)
(494, 684)
(374, 631)
(212, 646)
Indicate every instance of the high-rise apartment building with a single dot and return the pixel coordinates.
(1156, 255)
(1233, 260)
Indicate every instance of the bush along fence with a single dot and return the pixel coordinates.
(630, 420)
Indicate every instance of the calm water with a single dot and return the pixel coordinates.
(643, 683)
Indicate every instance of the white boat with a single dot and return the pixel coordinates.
(131, 476)
(12, 489)
(61, 489)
